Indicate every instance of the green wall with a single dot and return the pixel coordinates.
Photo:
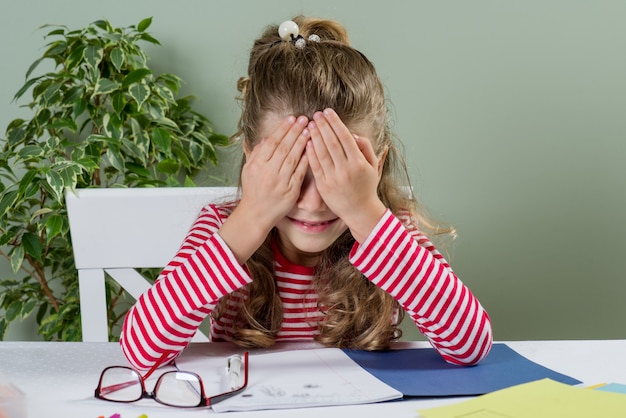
(512, 115)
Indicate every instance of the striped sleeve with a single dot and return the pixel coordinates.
(165, 318)
(404, 263)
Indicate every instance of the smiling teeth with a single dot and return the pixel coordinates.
(315, 224)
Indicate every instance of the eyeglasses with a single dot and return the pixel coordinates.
(173, 388)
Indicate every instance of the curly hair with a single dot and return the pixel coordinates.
(287, 80)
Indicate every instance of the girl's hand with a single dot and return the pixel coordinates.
(274, 171)
(271, 180)
(346, 172)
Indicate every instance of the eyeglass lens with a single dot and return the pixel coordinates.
(178, 389)
(121, 384)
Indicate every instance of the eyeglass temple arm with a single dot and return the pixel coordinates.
(157, 364)
(118, 386)
(218, 398)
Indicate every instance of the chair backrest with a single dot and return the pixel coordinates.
(119, 229)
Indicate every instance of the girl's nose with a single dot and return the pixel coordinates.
(310, 198)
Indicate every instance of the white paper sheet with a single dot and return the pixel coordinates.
(287, 378)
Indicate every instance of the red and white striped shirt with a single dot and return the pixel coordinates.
(396, 256)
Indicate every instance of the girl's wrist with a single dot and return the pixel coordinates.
(244, 232)
(362, 222)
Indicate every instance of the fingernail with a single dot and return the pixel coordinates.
(291, 119)
(302, 120)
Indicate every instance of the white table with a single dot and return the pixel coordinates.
(59, 379)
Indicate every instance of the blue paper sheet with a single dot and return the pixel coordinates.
(422, 372)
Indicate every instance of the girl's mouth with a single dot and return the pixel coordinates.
(313, 226)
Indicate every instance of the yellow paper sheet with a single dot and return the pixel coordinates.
(540, 399)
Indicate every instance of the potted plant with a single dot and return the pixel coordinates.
(101, 118)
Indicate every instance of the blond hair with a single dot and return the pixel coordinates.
(285, 79)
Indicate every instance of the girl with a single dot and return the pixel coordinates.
(325, 242)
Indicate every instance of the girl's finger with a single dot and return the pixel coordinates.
(345, 137)
(294, 156)
(365, 147)
(297, 178)
(282, 138)
(314, 162)
(330, 137)
(322, 155)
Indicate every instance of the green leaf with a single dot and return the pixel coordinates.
(168, 122)
(16, 136)
(27, 180)
(140, 93)
(72, 95)
(172, 81)
(7, 200)
(13, 310)
(41, 312)
(119, 102)
(65, 123)
(43, 116)
(28, 308)
(17, 256)
(116, 159)
(144, 24)
(93, 55)
(148, 38)
(168, 166)
(3, 328)
(51, 325)
(189, 182)
(6, 238)
(141, 171)
(162, 139)
(166, 94)
(196, 151)
(79, 107)
(87, 164)
(33, 66)
(219, 140)
(103, 24)
(105, 86)
(118, 58)
(55, 182)
(74, 59)
(141, 141)
(32, 245)
(40, 212)
(112, 125)
(60, 31)
(25, 87)
(30, 151)
(52, 95)
(135, 76)
(68, 171)
(55, 49)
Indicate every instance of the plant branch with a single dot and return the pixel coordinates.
(40, 276)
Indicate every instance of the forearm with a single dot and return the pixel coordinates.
(442, 307)
(165, 318)
(244, 231)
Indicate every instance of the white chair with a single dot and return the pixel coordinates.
(119, 229)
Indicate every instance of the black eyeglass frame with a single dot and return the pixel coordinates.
(204, 400)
